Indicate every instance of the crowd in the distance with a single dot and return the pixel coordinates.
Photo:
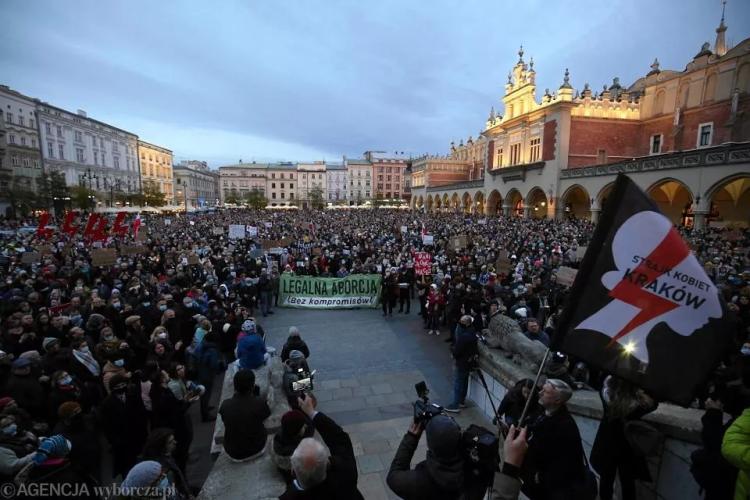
(123, 351)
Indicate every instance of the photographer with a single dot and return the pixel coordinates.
(441, 475)
(464, 355)
(320, 473)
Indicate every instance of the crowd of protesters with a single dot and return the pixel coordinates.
(123, 350)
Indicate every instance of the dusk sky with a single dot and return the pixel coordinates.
(302, 81)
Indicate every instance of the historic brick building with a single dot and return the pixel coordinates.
(681, 135)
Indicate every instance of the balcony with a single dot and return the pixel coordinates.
(516, 172)
(725, 154)
(478, 183)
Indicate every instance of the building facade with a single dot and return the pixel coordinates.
(88, 152)
(388, 174)
(683, 136)
(237, 181)
(281, 184)
(337, 180)
(195, 185)
(312, 178)
(156, 168)
(21, 165)
(360, 177)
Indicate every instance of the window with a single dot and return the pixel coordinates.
(291, 196)
(14, 160)
(36, 163)
(601, 156)
(26, 163)
(79, 155)
(367, 194)
(33, 142)
(705, 134)
(656, 144)
(9, 118)
(291, 186)
(273, 176)
(96, 158)
(11, 139)
(117, 162)
(59, 131)
(48, 128)
(515, 154)
(534, 150)
(273, 196)
(60, 152)
(50, 150)
(79, 136)
(20, 120)
(101, 142)
(31, 122)
(282, 184)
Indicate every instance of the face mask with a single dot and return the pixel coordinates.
(162, 336)
(85, 349)
(146, 304)
(189, 304)
(67, 380)
(10, 430)
(116, 305)
(163, 484)
(163, 307)
(120, 362)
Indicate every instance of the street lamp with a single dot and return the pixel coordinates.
(115, 186)
(91, 177)
(92, 200)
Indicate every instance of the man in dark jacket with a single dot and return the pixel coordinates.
(464, 354)
(320, 473)
(294, 343)
(554, 467)
(243, 415)
(440, 476)
(209, 365)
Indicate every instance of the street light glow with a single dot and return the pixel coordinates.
(629, 347)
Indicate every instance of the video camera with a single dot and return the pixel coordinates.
(304, 384)
(423, 409)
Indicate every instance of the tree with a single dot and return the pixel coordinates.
(152, 195)
(256, 199)
(316, 198)
(232, 198)
(83, 197)
(378, 201)
(51, 190)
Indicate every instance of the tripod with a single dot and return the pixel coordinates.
(495, 421)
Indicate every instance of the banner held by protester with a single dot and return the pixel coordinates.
(356, 290)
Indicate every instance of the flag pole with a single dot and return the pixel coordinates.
(531, 392)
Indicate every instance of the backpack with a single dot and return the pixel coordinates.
(480, 450)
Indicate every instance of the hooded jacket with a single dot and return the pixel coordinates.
(735, 448)
(435, 478)
(250, 352)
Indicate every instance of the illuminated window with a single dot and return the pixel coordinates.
(534, 150)
(515, 154)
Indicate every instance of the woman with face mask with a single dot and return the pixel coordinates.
(16, 451)
(169, 411)
(160, 447)
(85, 369)
(115, 365)
(62, 389)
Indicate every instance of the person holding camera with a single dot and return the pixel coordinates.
(441, 475)
(243, 415)
(464, 356)
(322, 473)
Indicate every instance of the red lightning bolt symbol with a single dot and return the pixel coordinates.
(670, 252)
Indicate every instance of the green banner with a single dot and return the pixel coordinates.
(357, 290)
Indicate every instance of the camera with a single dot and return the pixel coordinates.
(303, 384)
(423, 409)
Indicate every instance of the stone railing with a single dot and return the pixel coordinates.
(515, 172)
(708, 157)
(478, 183)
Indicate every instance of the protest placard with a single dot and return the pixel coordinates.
(566, 276)
(422, 263)
(193, 259)
(217, 231)
(404, 229)
(252, 231)
(580, 252)
(503, 264)
(317, 251)
(132, 249)
(236, 231)
(167, 222)
(142, 235)
(268, 225)
(458, 242)
(428, 239)
(103, 257)
(30, 257)
(45, 249)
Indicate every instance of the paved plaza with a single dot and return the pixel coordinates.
(367, 366)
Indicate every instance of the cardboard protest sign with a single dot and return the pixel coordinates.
(236, 231)
(217, 231)
(252, 231)
(132, 249)
(268, 225)
(103, 257)
(167, 222)
(45, 249)
(317, 251)
(141, 236)
(30, 257)
(458, 242)
(193, 259)
(256, 253)
(428, 239)
(566, 276)
(404, 229)
(422, 263)
(503, 264)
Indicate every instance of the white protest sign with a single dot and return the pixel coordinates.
(252, 231)
(236, 231)
(428, 239)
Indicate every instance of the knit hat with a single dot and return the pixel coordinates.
(4, 402)
(295, 354)
(443, 437)
(143, 475)
(21, 363)
(68, 410)
(291, 422)
(55, 446)
(95, 322)
(248, 326)
(48, 342)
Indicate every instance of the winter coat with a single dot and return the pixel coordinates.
(465, 347)
(294, 343)
(736, 449)
(244, 433)
(611, 447)
(28, 393)
(341, 480)
(250, 352)
(209, 361)
(429, 479)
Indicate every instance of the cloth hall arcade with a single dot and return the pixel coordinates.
(683, 136)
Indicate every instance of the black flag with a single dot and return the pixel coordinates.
(642, 306)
